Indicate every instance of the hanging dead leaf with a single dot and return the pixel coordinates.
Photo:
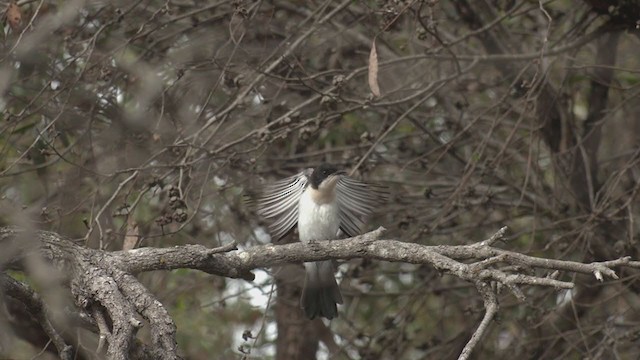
(14, 15)
(373, 71)
(132, 236)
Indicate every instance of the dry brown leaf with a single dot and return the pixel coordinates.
(373, 71)
(14, 15)
(133, 235)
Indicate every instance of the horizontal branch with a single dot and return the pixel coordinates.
(105, 278)
(239, 263)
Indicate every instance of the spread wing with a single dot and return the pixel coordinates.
(357, 200)
(278, 203)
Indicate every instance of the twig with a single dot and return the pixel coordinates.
(491, 308)
(96, 219)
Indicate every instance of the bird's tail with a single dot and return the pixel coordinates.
(321, 292)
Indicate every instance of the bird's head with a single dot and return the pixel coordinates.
(324, 177)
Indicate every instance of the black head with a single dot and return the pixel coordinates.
(322, 172)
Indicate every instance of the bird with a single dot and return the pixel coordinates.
(325, 204)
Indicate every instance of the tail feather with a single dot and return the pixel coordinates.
(321, 293)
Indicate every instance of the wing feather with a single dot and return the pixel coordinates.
(357, 200)
(278, 204)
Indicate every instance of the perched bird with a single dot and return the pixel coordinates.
(326, 204)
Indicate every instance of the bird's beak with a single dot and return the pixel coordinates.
(333, 178)
(330, 182)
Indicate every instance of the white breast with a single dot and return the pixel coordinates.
(317, 221)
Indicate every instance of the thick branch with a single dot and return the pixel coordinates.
(105, 278)
(238, 264)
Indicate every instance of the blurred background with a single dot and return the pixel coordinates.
(146, 123)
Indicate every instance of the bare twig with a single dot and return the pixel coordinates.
(491, 308)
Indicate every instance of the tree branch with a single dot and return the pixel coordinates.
(491, 308)
(105, 279)
(38, 311)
